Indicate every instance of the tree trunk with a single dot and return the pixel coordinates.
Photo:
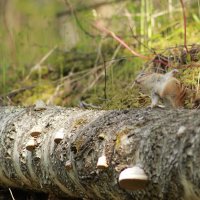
(164, 143)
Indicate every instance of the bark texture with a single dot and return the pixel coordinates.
(165, 143)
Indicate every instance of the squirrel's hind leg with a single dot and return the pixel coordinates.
(154, 101)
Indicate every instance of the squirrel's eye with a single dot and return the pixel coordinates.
(142, 74)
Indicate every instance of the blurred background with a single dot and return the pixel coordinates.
(50, 49)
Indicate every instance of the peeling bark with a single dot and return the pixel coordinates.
(165, 143)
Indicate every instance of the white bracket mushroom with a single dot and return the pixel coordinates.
(102, 162)
(36, 131)
(31, 144)
(40, 105)
(133, 178)
(59, 136)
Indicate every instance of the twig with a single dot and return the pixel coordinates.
(38, 65)
(141, 43)
(105, 74)
(112, 34)
(198, 82)
(109, 65)
(15, 92)
(185, 25)
(73, 78)
(164, 12)
(99, 51)
(151, 50)
(13, 198)
(85, 105)
(87, 72)
(67, 2)
(70, 75)
(51, 99)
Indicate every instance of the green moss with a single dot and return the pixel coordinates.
(78, 143)
(119, 135)
(79, 122)
(190, 77)
(43, 90)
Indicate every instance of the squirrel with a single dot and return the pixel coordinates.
(163, 87)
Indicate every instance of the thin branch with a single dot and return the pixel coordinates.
(185, 25)
(83, 104)
(141, 43)
(165, 12)
(91, 84)
(13, 198)
(68, 3)
(105, 30)
(198, 82)
(51, 99)
(15, 92)
(105, 76)
(99, 50)
(38, 65)
(112, 34)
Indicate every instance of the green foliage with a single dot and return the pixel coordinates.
(119, 91)
(71, 75)
(190, 77)
(43, 90)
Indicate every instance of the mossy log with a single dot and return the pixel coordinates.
(68, 143)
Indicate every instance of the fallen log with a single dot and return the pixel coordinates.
(90, 154)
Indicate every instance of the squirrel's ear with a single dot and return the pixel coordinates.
(142, 74)
(171, 73)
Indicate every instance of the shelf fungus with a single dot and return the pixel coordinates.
(102, 163)
(40, 105)
(31, 144)
(36, 131)
(59, 135)
(133, 178)
(68, 165)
